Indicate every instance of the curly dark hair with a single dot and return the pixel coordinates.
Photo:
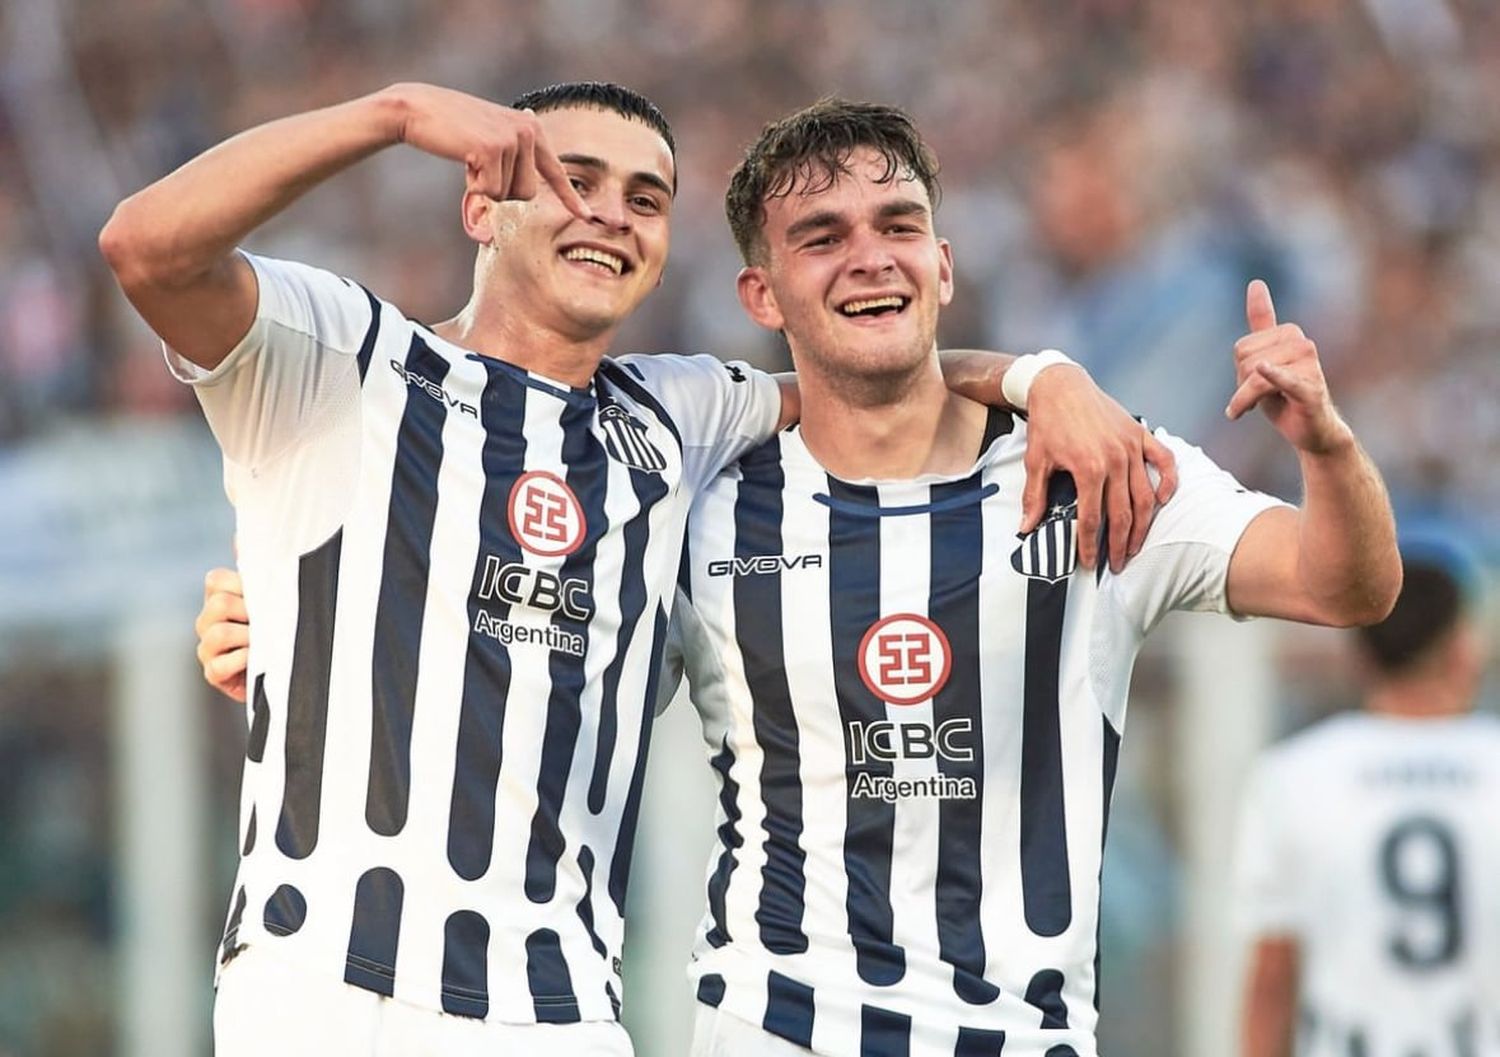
(810, 149)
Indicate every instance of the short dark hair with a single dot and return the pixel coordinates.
(811, 147)
(598, 95)
(1431, 603)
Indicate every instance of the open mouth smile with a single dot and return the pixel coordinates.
(597, 259)
(874, 307)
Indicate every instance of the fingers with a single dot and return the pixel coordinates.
(1034, 495)
(1089, 495)
(226, 673)
(1119, 519)
(1161, 457)
(551, 170)
(1143, 507)
(1249, 395)
(1288, 382)
(219, 608)
(1260, 313)
(221, 579)
(524, 182)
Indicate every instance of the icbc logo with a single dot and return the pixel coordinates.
(904, 659)
(545, 516)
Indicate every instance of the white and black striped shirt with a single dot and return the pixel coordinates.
(1369, 840)
(456, 572)
(915, 718)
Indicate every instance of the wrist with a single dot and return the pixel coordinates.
(1016, 383)
(391, 109)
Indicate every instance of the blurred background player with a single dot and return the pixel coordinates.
(1369, 860)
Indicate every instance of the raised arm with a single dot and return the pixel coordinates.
(171, 245)
(1334, 560)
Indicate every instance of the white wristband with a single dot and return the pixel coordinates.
(1015, 384)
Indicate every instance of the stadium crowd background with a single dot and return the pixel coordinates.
(1114, 171)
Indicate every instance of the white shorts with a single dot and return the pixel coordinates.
(720, 1034)
(268, 1007)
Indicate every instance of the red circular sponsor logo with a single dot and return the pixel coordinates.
(545, 516)
(905, 659)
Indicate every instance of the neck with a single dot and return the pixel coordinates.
(525, 341)
(890, 429)
(1426, 696)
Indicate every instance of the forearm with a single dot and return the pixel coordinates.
(181, 227)
(1270, 1000)
(976, 374)
(1347, 559)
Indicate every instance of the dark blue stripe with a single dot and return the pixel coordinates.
(976, 1042)
(789, 1009)
(285, 912)
(587, 475)
(623, 380)
(586, 904)
(962, 496)
(729, 842)
(487, 668)
(650, 489)
(466, 964)
(403, 593)
(249, 844)
(1044, 991)
(307, 698)
(758, 631)
(1062, 1051)
(1046, 887)
(229, 946)
(260, 721)
(883, 1033)
(552, 996)
(367, 346)
(711, 989)
(956, 555)
(1111, 765)
(854, 605)
(375, 929)
(619, 865)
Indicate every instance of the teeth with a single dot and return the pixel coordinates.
(584, 253)
(853, 307)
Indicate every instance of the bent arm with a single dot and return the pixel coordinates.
(1270, 999)
(1334, 561)
(171, 245)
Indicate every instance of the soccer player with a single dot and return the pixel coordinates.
(1368, 859)
(914, 716)
(460, 544)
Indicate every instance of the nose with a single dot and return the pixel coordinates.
(610, 214)
(869, 255)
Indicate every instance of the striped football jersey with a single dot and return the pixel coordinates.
(1371, 841)
(460, 575)
(914, 718)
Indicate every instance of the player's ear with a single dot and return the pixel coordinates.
(945, 271)
(476, 216)
(757, 298)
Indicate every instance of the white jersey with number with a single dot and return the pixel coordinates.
(460, 575)
(1374, 842)
(914, 718)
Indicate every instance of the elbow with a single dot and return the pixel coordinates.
(1368, 602)
(120, 244)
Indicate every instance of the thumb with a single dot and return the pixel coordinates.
(1260, 313)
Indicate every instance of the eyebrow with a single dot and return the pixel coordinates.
(589, 161)
(826, 218)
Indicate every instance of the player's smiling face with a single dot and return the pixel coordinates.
(582, 278)
(852, 273)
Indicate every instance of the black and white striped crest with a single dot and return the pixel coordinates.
(625, 440)
(1049, 552)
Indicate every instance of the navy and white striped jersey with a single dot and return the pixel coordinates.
(460, 576)
(1370, 841)
(914, 718)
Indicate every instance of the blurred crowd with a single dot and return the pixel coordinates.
(1114, 170)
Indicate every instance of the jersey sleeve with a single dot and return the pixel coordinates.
(1184, 563)
(1265, 863)
(720, 410)
(297, 364)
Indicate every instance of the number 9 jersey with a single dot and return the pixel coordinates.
(1371, 841)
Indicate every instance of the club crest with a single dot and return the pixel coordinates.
(1049, 552)
(625, 440)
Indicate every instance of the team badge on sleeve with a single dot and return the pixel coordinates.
(545, 516)
(625, 440)
(1050, 551)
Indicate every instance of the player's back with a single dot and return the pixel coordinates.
(1370, 840)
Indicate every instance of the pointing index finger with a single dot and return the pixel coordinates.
(1260, 312)
(551, 170)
